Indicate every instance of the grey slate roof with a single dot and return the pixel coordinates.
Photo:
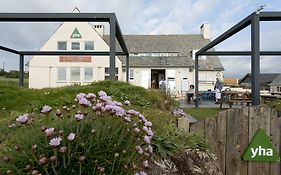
(182, 44)
(276, 81)
(264, 77)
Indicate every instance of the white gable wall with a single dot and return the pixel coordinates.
(43, 69)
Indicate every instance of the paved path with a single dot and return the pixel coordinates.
(205, 104)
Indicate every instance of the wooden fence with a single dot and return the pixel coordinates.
(230, 133)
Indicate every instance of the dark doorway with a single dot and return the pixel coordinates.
(156, 76)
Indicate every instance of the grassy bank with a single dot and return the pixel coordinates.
(112, 135)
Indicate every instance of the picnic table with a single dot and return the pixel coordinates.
(232, 97)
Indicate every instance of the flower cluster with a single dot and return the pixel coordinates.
(179, 113)
(100, 104)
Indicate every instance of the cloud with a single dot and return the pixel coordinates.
(151, 17)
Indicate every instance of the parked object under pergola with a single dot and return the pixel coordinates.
(252, 20)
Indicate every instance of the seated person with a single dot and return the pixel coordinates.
(190, 93)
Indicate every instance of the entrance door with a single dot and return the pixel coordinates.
(156, 76)
(145, 78)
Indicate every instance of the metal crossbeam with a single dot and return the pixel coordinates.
(240, 53)
(56, 53)
(115, 33)
(253, 20)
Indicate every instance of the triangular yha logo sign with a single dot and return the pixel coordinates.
(261, 149)
(76, 34)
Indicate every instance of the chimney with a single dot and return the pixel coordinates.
(99, 29)
(205, 30)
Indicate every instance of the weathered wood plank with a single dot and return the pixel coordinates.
(237, 141)
(259, 118)
(221, 139)
(275, 129)
(183, 124)
(198, 128)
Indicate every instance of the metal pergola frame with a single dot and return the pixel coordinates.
(115, 32)
(252, 20)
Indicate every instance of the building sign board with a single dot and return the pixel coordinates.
(261, 149)
(75, 34)
(75, 58)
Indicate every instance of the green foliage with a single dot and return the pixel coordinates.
(111, 136)
(30, 100)
(275, 104)
(201, 113)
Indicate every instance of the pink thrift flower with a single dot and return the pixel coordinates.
(139, 149)
(63, 149)
(79, 117)
(42, 161)
(127, 103)
(146, 139)
(102, 93)
(71, 137)
(54, 142)
(148, 124)
(127, 119)
(91, 96)
(49, 132)
(117, 103)
(145, 164)
(84, 102)
(150, 149)
(46, 109)
(137, 130)
(22, 119)
(79, 96)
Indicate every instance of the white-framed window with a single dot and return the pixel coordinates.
(75, 74)
(61, 74)
(106, 73)
(89, 45)
(75, 46)
(62, 45)
(278, 89)
(131, 74)
(88, 74)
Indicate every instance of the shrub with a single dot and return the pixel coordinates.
(95, 136)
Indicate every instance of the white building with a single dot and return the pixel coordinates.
(151, 58)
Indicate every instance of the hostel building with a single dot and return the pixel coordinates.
(152, 57)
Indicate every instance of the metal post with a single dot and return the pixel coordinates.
(21, 70)
(255, 59)
(112, 49)
(127, 68)
(196, 81)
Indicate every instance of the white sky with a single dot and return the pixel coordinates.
(152, 17)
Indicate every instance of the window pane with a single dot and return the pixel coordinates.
(131, 74)
(62, 45)
(75, 74)
(75, 46)
(106, 70)
(88, 76)
(89, 45)
(61, 73)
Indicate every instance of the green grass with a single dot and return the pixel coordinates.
(12, 81)
(202, 112)
(156, 107)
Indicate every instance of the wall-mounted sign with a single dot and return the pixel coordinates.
(75, 34)
(261, 149)
(75, 59)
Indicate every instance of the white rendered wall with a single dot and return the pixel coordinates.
(43, 69)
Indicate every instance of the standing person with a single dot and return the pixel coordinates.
(162, 84)
(218, 88)
(190, 93)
